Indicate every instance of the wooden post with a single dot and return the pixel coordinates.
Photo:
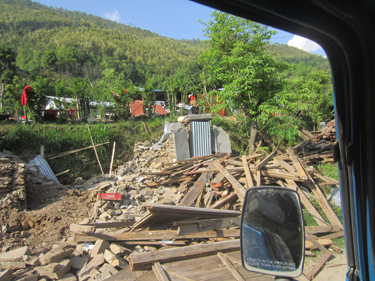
(25, 113)
(78, 115)
(17, 115)
(113, 154)
(96, 153)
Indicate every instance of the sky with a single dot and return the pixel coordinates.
(171, 18)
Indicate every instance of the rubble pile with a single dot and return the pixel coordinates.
(158, 217)
(317, 146)
(12, 181)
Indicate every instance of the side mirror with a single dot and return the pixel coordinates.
(272, 232)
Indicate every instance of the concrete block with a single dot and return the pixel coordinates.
(27, 277)
(221, 140)
(181, 144)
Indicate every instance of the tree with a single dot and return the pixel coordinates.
(238, 62)
(8, 68)
(311, 98)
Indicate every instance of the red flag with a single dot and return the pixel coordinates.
(24, 95)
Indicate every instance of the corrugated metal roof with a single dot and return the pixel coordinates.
(44, 168)
(200, 138)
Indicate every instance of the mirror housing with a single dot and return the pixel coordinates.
(272, 232)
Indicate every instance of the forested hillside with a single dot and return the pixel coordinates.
(302, 62)
(274, 87)
(59, 43)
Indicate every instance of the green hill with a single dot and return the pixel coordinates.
(60, 43)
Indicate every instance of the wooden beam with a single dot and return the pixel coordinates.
(318, 266)
(74, 151)
(265, 160)
(249, 179)
(240, 190)
(236, 275)
(223, 201)
(93, 145)
(159, 272)
(306, 202)
(301, 172)
(322, 229)
(194, 191)
(154, 235)
(326, 207)
(139, 261)
(188, 227)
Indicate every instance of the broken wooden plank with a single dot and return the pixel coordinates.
(188, 227)
(318, 266)
(249, 179)
(139, 261)
(240, 190)
(322, 229)
(223, 201)
(301, 172)
(236, 275)
(306, 202)
(159, 272)
(194, 191)
(322, 242)
(161, 235)
(265, 160)
(326, 207)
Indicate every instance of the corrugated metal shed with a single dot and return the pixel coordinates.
(44, 168)
(200, 138)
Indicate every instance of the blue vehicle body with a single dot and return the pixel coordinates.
(346, 31)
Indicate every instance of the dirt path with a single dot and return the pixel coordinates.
(335, 269)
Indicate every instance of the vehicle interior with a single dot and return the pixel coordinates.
(345, 30)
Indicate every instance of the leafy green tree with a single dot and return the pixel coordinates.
(37, 99)
(238, 62)
(310, 98)
(12, 96)
(8, 68)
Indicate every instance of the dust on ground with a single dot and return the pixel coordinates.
(51, 210)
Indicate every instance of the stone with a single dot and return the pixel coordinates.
(104, 216)
(98, 260)
(99, 247)
(114, 260)
(12, 264)
(119, 250)
(6, 275)
(14, 255)
(69, 277)
(31, 260)
(27, 277)
(108, 268)
(79, 262)
(55, 255)
(64, 267)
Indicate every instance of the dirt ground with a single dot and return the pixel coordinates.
(335, 268)
(51, 209)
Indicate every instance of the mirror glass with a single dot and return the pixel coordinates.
(272, 232)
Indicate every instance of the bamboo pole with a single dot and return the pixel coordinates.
(113, 155)
(96, 153)
(62, 173)
(74, 151)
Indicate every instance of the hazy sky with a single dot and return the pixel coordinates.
(172, 18)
